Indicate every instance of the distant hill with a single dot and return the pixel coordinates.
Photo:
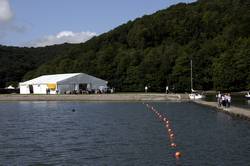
(154, 50)
(16, 61)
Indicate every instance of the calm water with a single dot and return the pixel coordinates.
(49, 133)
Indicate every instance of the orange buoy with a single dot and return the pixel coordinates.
(172, 135)
(173, 145)
(167, 122)
(167, 125)
(169, 130)
(177, 154)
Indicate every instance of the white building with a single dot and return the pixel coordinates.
(61, 84)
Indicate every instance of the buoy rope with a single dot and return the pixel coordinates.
(167, 124)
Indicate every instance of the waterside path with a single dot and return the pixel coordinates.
(232, 110)
(97, 97)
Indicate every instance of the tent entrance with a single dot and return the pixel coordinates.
(83, 86)
(31, 89)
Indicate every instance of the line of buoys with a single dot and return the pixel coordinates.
(170, 132)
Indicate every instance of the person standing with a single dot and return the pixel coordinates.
(219, 99)
(223, 100)
(167, 91)
(228, 98)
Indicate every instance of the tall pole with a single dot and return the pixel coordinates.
(191, 81)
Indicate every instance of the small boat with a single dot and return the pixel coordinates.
(194, 94)
(247, 95)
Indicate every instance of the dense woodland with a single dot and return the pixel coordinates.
(154, 50)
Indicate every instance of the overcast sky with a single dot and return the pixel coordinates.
(47, 22)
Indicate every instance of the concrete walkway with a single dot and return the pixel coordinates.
(97, 97)
(235, 111)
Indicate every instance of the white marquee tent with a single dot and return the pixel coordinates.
(61, 84)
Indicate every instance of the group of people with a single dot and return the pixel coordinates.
(224, 99)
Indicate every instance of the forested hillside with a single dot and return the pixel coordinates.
(156, 50)
(16, 62)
